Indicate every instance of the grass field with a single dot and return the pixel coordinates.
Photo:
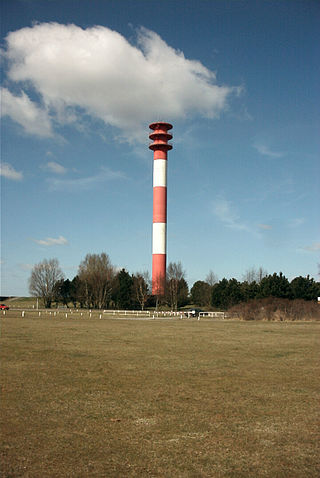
(158, 398)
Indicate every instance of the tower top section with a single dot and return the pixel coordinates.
(160, 124)
(160, 136)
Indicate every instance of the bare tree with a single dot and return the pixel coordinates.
(97, 274)
(175, 277)
(211, 278)
(250, 275)
(43, 280)
(141, 287)
(261, 273)
(254, 275)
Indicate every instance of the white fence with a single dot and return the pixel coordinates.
(218, 315)
(142, 314)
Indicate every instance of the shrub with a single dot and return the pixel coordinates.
(273, 308)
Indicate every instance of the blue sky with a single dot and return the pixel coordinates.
(239, 81)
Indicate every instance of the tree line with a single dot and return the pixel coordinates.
(99, 285)
(227, 293)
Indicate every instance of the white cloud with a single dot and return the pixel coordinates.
(56, 167)
(9, 172)
(96, 71)
(50, 241)
(297, 222)
(26, 113)
(315, 247)
(225, 212)
(265, 151)
(265, 227)
(25, 266)
(86, 183)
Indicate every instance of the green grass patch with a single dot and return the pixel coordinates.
(160, 398)
(20, 302)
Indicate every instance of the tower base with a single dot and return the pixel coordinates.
(158, 274)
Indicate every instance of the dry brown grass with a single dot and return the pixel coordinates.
(179, 398)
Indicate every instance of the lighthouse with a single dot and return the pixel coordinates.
(160, 148)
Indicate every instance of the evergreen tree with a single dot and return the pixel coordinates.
(219, 294)
(183, 292)
(304, 288)
(65, 292)
(124, 290)
(234, 293)
(276, 286)
(226, 293)
(201, 293)
(249, 290)
(77, 292)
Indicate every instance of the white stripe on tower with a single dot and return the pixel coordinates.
(160, 172)
(159, 238)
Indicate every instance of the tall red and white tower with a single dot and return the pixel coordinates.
(160, 147)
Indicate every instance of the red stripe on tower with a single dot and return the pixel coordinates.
(160, 146)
